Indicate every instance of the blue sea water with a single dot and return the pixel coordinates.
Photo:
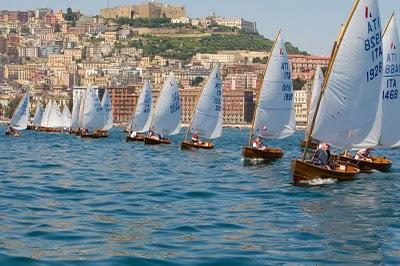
(68, 201)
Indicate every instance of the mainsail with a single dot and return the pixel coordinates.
(93, 116)
(107, 109)
(208, 116)
(75, 112)
(350, 97)
(144, 110)
(167, 115)
(37, 119)
(55, 119)
(66, 117)
(19, 120)
(390, 130)
(45, 118)
(274, 115)
(316, 90)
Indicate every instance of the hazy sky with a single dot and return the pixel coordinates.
(312, 25)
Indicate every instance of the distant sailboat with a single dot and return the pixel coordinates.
(19, 120)
(108, 114)
(274, 112)
(316, 90)
(348, 102)
(207, 119)
(75, 115)
(66, 117)
(384, 131)
(92, 119)
(52, 119)
(141, 119)
(167, 114)
(37, 119)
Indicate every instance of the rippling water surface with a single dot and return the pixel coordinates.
(66, 201)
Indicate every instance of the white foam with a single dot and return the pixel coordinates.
(319, 181)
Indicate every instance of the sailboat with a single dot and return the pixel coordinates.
(108, 114)
(37, 119)
(19, 120)
(208, 116)
(66, 117)
(92, 118)
(274, 116)
(348, 102)
(388, 109)
(52, 119)
(141, 119)
(75, 115)
(167, 114)
(316, 89)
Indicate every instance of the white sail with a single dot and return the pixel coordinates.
(75, 112)
(66, 117)
(55, 118)
(93, 116)
(107, 109)
(19, 120)
(208, 116)
(167, 115)
(45, 118)
(37, 119)
(144, 110)
(350, 101)
(316, 90)
(82, 109)
(275, 117)
(390, 130)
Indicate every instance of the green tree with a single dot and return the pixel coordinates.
(12, 105)
(256, 60)
(57, 28)
(298, 84)
(25, 30)
(197, 81)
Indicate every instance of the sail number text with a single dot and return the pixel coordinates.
(217, 100)
(175, 106)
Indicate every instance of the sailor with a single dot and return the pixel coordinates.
(195, 138)
(257, 144)
(133, 134)
(364, 154)
(321, 156)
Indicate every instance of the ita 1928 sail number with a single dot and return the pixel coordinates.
(374, 72)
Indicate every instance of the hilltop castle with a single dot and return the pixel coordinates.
(145, 10)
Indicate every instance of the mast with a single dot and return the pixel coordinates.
(335, 49)
(258, 92)
(387, 25)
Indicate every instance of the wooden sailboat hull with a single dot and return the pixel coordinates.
(153, 141)
(306, 171)
(378, 163)
(50, 130)
(313, 145)
(95, 135)
(13, 133)
(268, 153)
(138, 137)
(187, 145)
